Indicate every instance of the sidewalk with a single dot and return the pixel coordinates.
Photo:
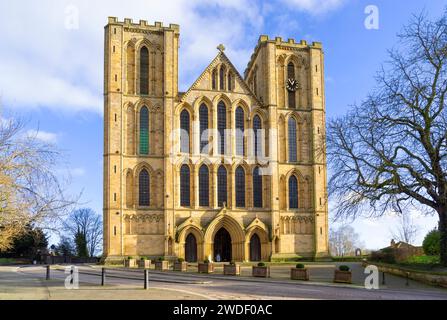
(20, 286)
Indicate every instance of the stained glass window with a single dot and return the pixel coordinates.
(184, 186)
(257, 127)
(144, 71)
(240, 127)
(221, 126)
(144, 130)
(240, 187)
(257, 188)
(293, 193)
(221, 186)
(204, 189)
(144, 188)
(203, 113)
(292, 140)
(184, 133)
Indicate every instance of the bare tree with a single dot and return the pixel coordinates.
(86, 225)
(343, 241)
(406, 230)
(30, 192)
(390, 152)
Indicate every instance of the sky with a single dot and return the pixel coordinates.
(51, 64)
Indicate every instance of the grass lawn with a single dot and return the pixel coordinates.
(7, 261)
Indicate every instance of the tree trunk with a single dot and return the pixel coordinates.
(443, 231)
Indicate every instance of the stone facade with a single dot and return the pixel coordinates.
(147, 210)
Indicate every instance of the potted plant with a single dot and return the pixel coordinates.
(180, 265)
(300, 272)
(232, 269)
(130, 262)
(206, 267)
(161, 264)
(343, 274)
(261, 270)
(144, 263)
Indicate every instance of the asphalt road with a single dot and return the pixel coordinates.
(227, 287)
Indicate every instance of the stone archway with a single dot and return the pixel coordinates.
(255, 248)
(235, 231)
(222, 248)
(191, 248)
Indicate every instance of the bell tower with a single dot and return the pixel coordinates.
(140, 83)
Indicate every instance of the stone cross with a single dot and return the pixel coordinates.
(221, 47)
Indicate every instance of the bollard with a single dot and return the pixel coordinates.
(103, 276)
(408, 276)
(146, 279)
(48, 272)
(383, 278)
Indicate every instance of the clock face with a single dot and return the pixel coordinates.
(292, 85)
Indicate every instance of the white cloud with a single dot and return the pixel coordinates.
(43, 64)
(315, 7)
(77, 172)
(48, 137)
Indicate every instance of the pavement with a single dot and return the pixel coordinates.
(28, 282)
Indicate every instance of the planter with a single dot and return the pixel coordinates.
(180, 266)
(205, 268)
(262, 272)
(299, 274)
(162, 265)
(130, 263)
(144, 264)
(232, 269)
(343, 276)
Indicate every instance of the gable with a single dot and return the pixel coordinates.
(205, 80)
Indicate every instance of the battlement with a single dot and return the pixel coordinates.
(279, 41)
(157, 26)
(291, 43)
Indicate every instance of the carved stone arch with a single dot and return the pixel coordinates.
(282, 137)
(222, 96)
(138, 168)
(234, 228)
(130, 66)
(130, 131)
(282, 193)
(129, 178)
(258, 227)
(300, 179)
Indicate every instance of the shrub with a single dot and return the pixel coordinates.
(343, 268)
(161, 258)
(180, 260)
(261, 264)
(129, 257)
(300, 266)
(206, 261)
(143, 258)
(232, 263)
(431, 244)
(385, 255)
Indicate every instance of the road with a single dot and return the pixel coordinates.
(198, 286)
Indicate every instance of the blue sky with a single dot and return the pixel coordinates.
(51, 70)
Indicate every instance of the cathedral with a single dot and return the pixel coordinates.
(233, 169)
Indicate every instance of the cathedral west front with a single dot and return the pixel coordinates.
(233, 169)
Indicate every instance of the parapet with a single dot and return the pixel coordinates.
(144, 24)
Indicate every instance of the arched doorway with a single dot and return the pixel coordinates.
(191, 248)
(222, 246)
(255, 248)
